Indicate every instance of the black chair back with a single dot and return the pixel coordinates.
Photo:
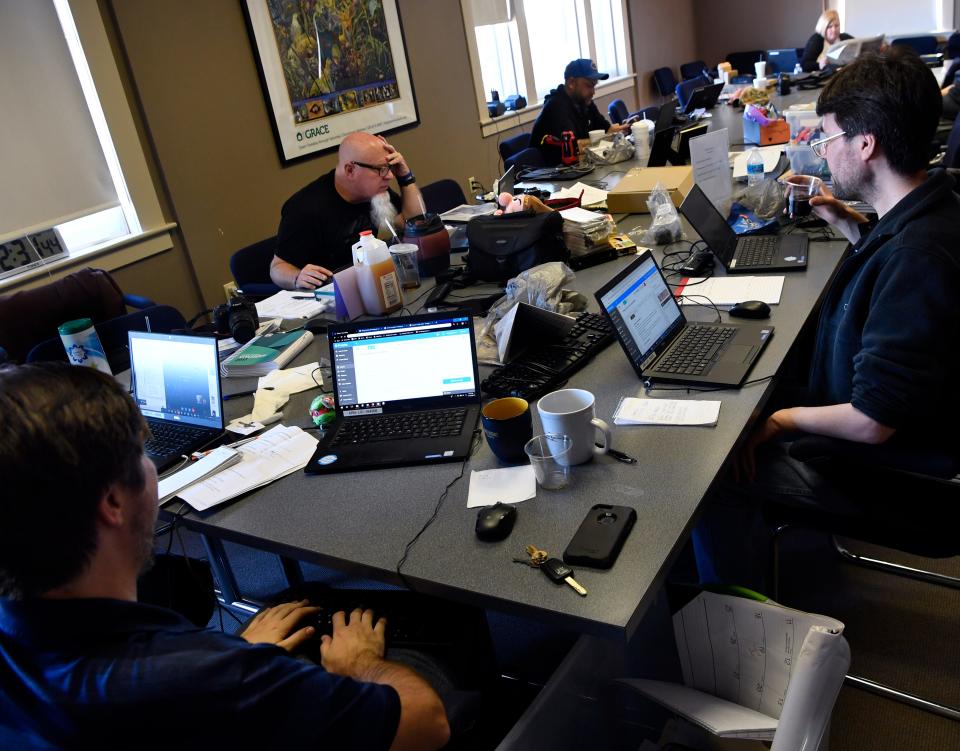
(922, 45)
(692, 70)
(443, 195)
(665, 81)
(513, 145)
(650, 113)
(951, 159)
(250, 267)
(531, 157)
(617, 110)
(743, 62)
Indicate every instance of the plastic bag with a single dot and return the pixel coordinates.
(541, 286)
(765, 199)
(619, 149)
(665, 225)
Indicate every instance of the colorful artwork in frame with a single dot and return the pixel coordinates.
(329, 68)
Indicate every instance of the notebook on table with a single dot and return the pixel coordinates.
(407, 392)
(176, 384)
(741, 255)
(659, 341)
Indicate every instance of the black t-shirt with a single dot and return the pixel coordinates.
(317, 226)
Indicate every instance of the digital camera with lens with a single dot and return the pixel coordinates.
(238, 317)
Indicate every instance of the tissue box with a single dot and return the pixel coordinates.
(631, 194)
(777, 131)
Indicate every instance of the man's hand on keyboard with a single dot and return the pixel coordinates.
(357, 641)
(278, 625)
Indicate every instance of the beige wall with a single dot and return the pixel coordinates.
(741, 25)
(193, 70)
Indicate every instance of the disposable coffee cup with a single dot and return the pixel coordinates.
(761, 68)
(800, 188)
(404, 257)
(83, 346)
(595, 136)
(549, 457)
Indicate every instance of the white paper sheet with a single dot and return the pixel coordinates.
(711, 166)
(218, 459)
(633, 411)
(581, 216)
(729, 290)
(591, 195)
(503, 485)
(770, 154)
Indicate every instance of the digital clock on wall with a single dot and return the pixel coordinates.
(30, 251)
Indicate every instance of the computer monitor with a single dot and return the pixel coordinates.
(847, 50)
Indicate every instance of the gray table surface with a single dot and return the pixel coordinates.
(360, 522)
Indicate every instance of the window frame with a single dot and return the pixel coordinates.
(494, 126)
(153, 235)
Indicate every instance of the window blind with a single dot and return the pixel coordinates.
(50, 157)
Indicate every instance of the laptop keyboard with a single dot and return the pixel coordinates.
(167, 439)
(434, 424)
(756, 251)
(695, 349)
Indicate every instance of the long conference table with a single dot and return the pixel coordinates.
(360, 522)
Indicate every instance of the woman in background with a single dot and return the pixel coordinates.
(951, 89)
(827, 33)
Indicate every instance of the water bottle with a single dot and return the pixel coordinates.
(754, 167)
(797, 69)
(83, 346)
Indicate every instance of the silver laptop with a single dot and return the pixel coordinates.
(176, 383)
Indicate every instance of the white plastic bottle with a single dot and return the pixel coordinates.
(376, 275)
(797, 69)
(754, 167)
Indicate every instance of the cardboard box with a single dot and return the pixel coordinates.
(777, 131)
(631, 194)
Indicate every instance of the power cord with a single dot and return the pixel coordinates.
(474, 444)
(649, 386)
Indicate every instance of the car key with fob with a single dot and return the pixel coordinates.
(601, 536)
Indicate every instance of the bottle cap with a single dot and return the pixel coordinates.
(74, 327)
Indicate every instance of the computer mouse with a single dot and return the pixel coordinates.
(495, 522)
(750, 309)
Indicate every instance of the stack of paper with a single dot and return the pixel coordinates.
(218, 459)
(586, 231)
(465, 212)
(588, 195)
(633, 411)
(729, 290)
(278, 452)
(263, 354)
(290, 305)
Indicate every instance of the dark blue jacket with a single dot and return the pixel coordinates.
(561, 113)
(888, 340)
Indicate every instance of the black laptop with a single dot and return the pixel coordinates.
(661, 151)
(750, 254)
(659, 341)
(175, 381)
(407, 392)
(703, 98)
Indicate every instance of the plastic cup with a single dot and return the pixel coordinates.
(404, 257)
(760, 68)
(548, 456)
(800, 188)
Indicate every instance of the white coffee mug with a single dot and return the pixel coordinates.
(570, 411)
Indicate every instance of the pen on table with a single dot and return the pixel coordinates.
(619, 456)
(245, 393)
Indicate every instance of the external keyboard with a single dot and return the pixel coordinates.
(541, 370)
(695, 350)
(756, 251)
(402, 426)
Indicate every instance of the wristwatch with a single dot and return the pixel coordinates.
(407, 179)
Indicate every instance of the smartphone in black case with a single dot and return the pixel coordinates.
(601, 535)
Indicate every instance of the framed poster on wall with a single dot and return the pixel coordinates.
(330, 68)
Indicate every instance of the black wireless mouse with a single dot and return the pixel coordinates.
(750, 309)
(495, 522)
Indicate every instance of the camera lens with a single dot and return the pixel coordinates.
(243, 326)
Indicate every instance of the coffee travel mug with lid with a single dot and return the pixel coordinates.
(83, 346)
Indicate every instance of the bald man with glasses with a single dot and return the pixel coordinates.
(320, 222)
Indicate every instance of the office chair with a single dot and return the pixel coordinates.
(617, 110)
(820, 658)
(665, 81)
(925, 44)
(649, 113)
(250, 267)
(39, 311)
(911, 504)
(529, 157)
(442, 195)
(692, 70)
(511, 147)
(113, 335)
(742, 62)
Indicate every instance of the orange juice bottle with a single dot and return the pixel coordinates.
(376, 275)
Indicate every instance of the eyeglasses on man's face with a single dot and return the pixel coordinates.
(381, 169)
(820, 145)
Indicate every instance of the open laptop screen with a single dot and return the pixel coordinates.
(404, 363)
(642, 309)
(176, 378)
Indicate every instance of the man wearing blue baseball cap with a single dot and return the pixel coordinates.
(570, 107)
